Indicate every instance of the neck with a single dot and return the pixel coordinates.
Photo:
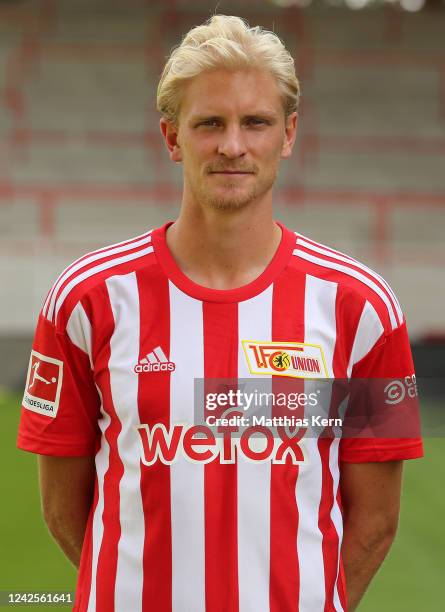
(223, 249)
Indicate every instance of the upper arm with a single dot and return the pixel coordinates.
(66, 486)
(370, 493)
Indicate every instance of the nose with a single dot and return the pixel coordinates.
(231, 143)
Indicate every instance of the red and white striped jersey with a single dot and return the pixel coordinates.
(120, 341)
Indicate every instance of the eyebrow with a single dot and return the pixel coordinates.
(259, 114)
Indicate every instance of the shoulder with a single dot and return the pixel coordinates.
(90, 271)
(356, 282)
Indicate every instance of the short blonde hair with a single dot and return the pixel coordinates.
(226, 42)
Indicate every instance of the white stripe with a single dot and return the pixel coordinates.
(124, 352)
(79, 331)
(48, 307)
(254, 479)
(342, 257)
(104, 266)
(309, 538)
(320, 328)
(319, 317)
(336, 515)
(152, 358)
(349, 271)
(160, 355)
(102, 462)
(186, 478)
(369, 330)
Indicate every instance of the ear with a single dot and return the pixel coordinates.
(290, 135)
(170, 133)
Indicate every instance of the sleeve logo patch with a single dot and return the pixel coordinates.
(43, 384)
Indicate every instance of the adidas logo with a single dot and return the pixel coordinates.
(156, 361)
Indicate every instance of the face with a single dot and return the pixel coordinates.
(230, 137)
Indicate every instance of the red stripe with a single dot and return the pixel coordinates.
(86, 562)
(220, 480)
(348, 312)
(154, 407)
(287, 326)
(347, 317)
(353, 265)
(107, 560)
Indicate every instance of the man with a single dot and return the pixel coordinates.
(157, 513)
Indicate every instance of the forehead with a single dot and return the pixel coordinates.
(223, 92)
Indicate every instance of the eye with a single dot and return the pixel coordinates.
(256, 121)
(209, 123)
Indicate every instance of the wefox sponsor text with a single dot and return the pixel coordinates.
(198, 444)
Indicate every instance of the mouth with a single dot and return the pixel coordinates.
(231, 172)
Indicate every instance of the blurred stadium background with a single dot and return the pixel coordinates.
(82, 165)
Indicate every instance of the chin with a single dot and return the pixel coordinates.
(227, 205)
(230, 197)
(229, 202)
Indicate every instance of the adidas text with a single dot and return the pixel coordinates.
(154, 367)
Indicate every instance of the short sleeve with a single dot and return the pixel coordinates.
(390, 358)
(61, 405)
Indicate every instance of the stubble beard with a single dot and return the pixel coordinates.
(234, 198)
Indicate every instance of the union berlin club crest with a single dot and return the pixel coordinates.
(295, 359)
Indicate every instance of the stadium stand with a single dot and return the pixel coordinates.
(82, 164)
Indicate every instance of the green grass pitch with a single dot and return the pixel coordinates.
(410, 580)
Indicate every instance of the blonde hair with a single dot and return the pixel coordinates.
(226, 42)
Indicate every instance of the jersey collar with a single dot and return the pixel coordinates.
(245, 292)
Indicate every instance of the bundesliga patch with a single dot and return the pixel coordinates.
(296, 359)
(43, 384)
